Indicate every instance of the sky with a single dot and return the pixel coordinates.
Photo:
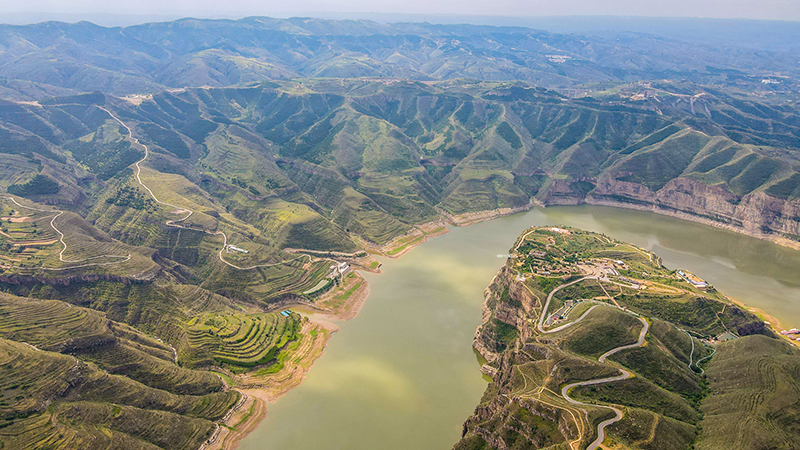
(72, 10)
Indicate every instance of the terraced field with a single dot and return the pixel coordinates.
(241, 341)
(555, 387)
(57, 401)
(114, 347)
(758, 404)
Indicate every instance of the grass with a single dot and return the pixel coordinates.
(240, 341)
(604, 329)
(756, 407)
(667, 404)
(117, 348)
(68, 402)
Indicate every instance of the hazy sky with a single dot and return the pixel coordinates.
(750, 9)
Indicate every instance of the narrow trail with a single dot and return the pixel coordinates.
(601, 434)
(58, 214)
(546, 306)
(169, 223)
(182, 209)
(691, 355)
(697, 363)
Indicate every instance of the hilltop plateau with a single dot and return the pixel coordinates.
(593, 343)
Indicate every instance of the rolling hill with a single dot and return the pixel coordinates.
(170, 189)
(46, 59)
(591, 341)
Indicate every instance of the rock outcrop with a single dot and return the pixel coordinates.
(757, 214)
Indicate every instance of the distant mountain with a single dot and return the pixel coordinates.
(43, 59)
(259, 154)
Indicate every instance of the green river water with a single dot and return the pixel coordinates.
(403, 375)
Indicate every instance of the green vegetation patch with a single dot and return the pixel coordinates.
(241, 341)
(39, 185)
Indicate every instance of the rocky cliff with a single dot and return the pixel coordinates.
(757, 214)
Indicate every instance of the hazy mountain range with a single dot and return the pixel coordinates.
(47, 58)
(169, 188)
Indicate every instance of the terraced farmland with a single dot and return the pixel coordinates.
(117, 348)
(241, 341)
(55, 401)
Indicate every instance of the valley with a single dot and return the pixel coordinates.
(649, 330)
(192, 209)
(400, 375)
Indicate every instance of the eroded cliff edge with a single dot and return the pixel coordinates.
(559, 377)
(756, 214)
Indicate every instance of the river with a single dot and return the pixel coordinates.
(402, 375)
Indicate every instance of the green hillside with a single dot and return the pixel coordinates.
(170, 190)
(625, 345)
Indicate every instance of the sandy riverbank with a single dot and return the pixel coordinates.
(261, 391)
(400, 245)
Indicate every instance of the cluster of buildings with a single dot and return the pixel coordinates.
(561, 313)
(338, 270)
(693, 279)
(792, 334)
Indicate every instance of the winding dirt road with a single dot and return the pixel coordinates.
(189, 212)
(170, 223)
(58, 213)
(546, 306)
(601, 433)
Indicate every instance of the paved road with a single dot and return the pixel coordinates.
(601, 433)
(546, 306)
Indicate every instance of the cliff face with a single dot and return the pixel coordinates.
(757, 214)
(526, 404)
(507, 302)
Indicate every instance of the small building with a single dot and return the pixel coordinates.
(233, 248)
(610, 271)
(537, 253)
(693, 279)
(339, 269)
(635, 284)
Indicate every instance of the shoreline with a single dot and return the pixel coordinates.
(401, 245)
(771, 321)
(690, 217)
(245, 417)
(404, 243)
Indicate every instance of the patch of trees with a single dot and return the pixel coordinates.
(39, 185)
(129, 197)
